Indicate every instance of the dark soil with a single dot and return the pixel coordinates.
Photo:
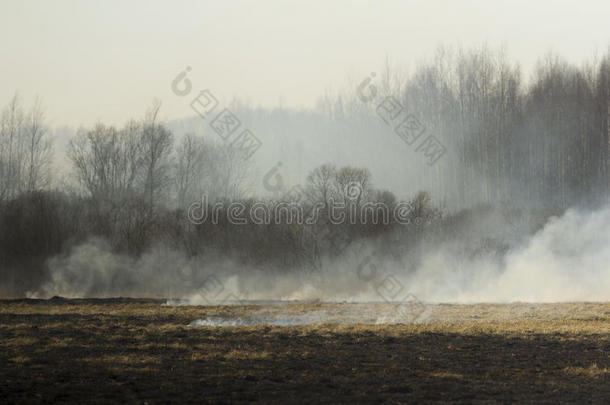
(137, 351)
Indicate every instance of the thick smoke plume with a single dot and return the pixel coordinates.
(489, 259)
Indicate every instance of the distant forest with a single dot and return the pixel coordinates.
(541, 144)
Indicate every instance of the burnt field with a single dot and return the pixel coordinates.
(124, 350)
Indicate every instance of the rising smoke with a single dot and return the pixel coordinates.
(490, 259)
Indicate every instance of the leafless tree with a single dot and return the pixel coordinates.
(189, 169)
(353, 183)
(25, 150)
(321, 184)
(157, 144)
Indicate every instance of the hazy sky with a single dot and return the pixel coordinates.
(107, 60)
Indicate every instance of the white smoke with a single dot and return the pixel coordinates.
(567, 260)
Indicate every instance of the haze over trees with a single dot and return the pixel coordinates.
(541, 144)
(544, 140)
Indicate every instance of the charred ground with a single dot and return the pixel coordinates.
(124, 350)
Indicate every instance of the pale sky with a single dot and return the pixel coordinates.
(106, 60)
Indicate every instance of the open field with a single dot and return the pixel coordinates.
(142, 351)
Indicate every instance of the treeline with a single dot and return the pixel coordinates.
(40, 225)
(543, 143)
(543, 140)
(133, 188)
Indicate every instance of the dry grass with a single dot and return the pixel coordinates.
(445, 374)
(19, 359)
(591, 371)
(142, 351)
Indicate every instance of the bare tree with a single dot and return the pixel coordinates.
(107, 161)
(39, 150)
(353, 183)
(321, 183)
(227, 172)
(157, 145)
(190, 169)
(25, 150)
